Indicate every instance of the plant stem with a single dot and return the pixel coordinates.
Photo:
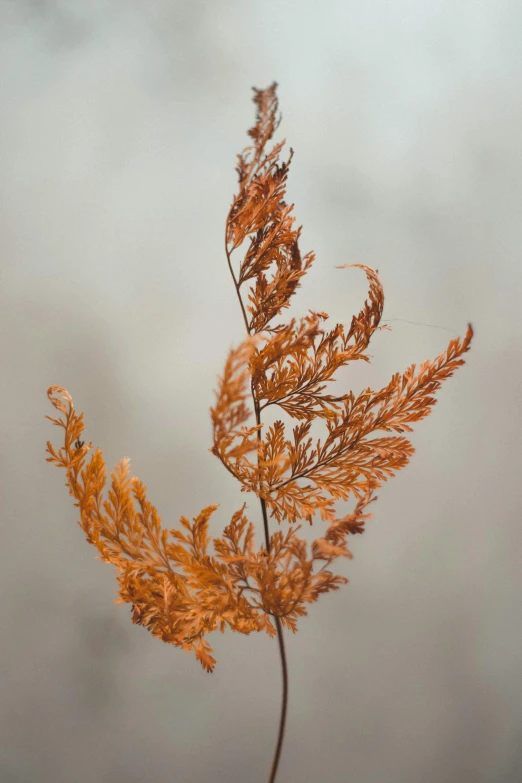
(279, 627)
(229, 260)
(284, 704)
(282, 720)
(280, 639)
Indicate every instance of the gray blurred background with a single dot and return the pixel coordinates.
(120, 126)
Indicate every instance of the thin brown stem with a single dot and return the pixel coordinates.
(280, 639)
(279, 627)
(234, 277)
(284, 705)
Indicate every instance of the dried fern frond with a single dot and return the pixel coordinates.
(176, 588)
(260, 213)
(177, 591)
(296, 361)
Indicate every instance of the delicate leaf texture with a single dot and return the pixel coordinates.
(176, 588)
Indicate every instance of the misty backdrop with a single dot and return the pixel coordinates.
(121, 122)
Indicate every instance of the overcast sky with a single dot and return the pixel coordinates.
(120, 126)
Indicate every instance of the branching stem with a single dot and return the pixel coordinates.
(279, 627)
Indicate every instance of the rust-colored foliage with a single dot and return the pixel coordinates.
(177, 589)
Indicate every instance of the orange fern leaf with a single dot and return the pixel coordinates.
(176, 588)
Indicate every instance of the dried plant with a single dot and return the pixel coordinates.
(176, 588)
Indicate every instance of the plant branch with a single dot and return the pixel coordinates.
(279, 627)
(234, 277)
